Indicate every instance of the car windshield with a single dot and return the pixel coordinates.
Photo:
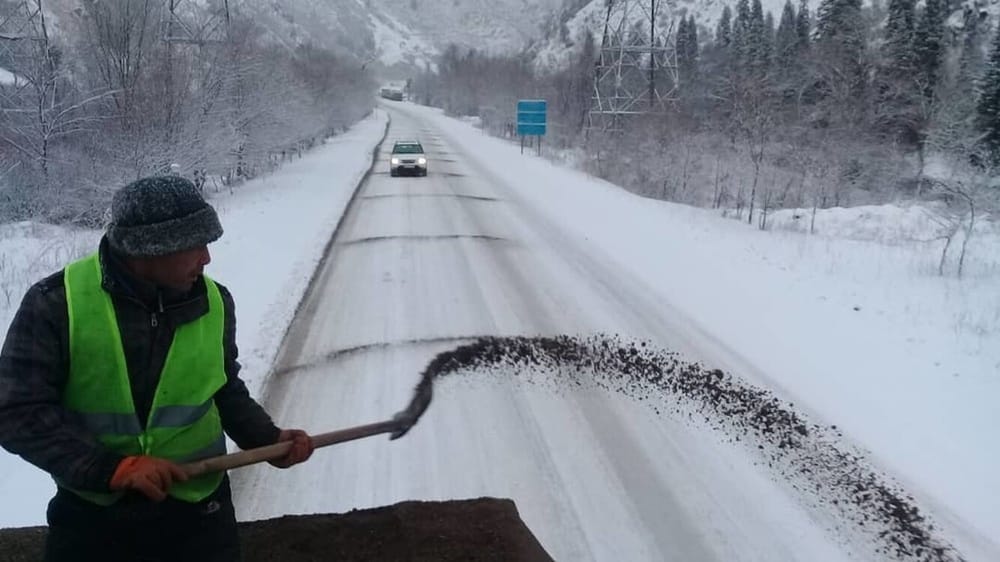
(408, 149)
(690, 279)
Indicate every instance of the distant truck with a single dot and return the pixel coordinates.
(389, 93)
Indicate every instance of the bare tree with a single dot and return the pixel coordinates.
(121, 34)
(967, 192)
(42, 108)
(754, 122)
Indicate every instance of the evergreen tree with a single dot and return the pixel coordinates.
(687, 49)
(692, 45)
(681, 49)
(970, 64)
(928, 46)
(988, 106)
(840, 35)
(769, 38)
(803, 27)
(839, 19)
(955, 124)
(898, 47)
(897, 110)
(786, 39)
(757, 38)
(840, 58)
(724, 31)
(741, 33)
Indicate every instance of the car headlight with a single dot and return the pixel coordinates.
(422, 161)
(394, 161)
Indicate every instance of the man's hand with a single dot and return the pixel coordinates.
(301, 450)
(150, 476)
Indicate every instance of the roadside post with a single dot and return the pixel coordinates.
(531, 121)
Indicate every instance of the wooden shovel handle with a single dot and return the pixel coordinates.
(278, 450)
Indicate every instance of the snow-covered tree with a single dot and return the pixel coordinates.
(767, 56)
(741, 34)
(839, 58)
(928, 46)
(757, 40)
(786, 39)
(988, 106)
(724, 30)
(803, 26)
(840, 19)
(899, 36)
(687, 50)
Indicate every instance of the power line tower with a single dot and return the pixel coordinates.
(190, 23)
(185, 21)
(636, 70)
(20, 27)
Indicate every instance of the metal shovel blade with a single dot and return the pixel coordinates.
(407, 418)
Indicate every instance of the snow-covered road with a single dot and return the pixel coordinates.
(420, 265)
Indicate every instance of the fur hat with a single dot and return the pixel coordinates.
(161, 215)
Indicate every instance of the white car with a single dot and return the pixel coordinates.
(407, 158)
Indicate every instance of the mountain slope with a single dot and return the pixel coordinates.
(405, 31)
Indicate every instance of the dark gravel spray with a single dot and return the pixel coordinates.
(811, 458)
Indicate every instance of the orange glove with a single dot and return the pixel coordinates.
(148, 475)
(301, 450)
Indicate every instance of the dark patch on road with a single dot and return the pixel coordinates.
(812, 458)
(423, 237)
(441, 195)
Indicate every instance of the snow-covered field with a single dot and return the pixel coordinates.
(852, 324)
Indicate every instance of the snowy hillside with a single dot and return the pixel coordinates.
(407, 32)
(391, 32)
(414, 32)
(572, 23)
(487, 25)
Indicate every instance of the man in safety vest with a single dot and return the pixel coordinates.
(123, 366)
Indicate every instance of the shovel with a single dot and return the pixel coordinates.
(398, 426)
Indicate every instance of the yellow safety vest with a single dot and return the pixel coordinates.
(183, 423)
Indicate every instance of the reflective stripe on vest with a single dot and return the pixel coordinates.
(183, 422)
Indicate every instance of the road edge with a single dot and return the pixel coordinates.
(321, 265)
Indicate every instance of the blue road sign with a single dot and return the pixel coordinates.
(528, 129)
(531, 117)
(537, 106)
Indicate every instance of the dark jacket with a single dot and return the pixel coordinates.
(34, 369)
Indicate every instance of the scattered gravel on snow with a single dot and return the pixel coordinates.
(812, 458)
